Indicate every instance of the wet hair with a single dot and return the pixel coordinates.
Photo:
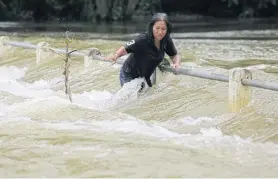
(162, 17)
(159, 17)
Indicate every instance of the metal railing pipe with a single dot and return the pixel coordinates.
(260, 84)
(196, 73)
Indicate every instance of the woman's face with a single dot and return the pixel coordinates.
(159, 30)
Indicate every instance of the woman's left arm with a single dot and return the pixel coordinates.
(173, 53)
(176, 61)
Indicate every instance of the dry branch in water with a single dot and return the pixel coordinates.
(67, 66)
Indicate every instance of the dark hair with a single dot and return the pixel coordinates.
(159, 17)
(162, 17)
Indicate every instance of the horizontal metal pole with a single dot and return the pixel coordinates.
(60, 51)
(195, 73)
(260, 84)
(32, 46)
(20, 44)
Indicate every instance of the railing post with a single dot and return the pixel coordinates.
(3, 39)
(239, 95)
(157, 75)
(40, 47)
(89, 56)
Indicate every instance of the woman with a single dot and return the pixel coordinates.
(147, 51)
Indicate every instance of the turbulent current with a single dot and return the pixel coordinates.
(179, 128)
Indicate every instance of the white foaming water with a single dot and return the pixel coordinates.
(104, 100)
(9, 120)
(192, 121)
(211, 132)
(3, 108)
(11, 73)
(25, 90)
(207, 137)
(41, 91)
(128, 93)
(10, 83)
(128, 125)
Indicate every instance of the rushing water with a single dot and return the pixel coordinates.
(179, 128)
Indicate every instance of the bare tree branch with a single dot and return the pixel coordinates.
(67, 65)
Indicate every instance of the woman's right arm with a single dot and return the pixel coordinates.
(120, 52)
(130, 47)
